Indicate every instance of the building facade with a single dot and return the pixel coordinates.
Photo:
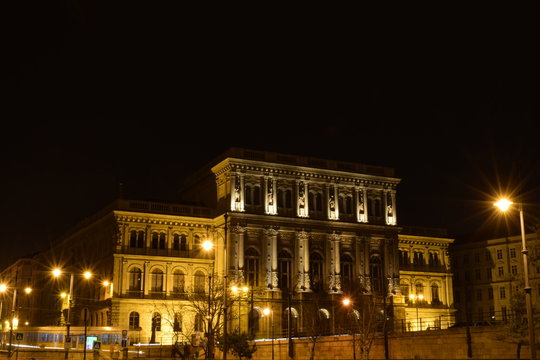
(488, 274)
(290, 230)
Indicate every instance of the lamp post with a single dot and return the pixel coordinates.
(56, 273)
(416, 299)
(208, 246)
(504, 205)
(266, 312)
(348, 304)
(27, 290)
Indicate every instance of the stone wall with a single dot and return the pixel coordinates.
(441, 344)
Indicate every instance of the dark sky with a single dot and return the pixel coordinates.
(100, 94)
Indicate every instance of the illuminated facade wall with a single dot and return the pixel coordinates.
(290, 228)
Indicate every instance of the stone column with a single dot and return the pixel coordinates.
(124, 284)
(168, 278)
(271, 261)
(238, 235)
(302, 261)
(334, 265)
(146, 279)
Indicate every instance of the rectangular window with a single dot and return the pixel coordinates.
(513, 252)
(501, 270)
(488, 273)
(490, 293)
(502, 292)
(514, 269)
(477, 274)
(499, 254)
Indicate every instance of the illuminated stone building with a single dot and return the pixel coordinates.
(488, 273)
(295, 230)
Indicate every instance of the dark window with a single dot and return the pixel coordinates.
(256, 195)
(316, 271)
(252, 266)
(198, 282)
(176, 242)
(155, 240)
(133, 320)
(162, 240)
(285, 269)
(199, 322)
(157, 280)
(376, 274)
(183, 243)
(135, 279)
(179, 282)
(136, 239)
(177, 324)
(347, 272)
(248, 199)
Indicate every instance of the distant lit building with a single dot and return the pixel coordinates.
(488, 273)
(296, 229)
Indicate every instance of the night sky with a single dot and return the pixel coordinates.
(105, 94)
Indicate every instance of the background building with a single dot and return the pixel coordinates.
(299, 234)
(489, 273)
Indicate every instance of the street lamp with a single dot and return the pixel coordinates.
(266, 312)
(417, 299)
(504, 205)
(56, 273)
(14, 320)
(348, 304)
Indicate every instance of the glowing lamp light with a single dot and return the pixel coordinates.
(63, 295)
(56, 272)
(207, 245)
(28, 290)
(245, 289)
(346, 302)
(503, 204)
(106, 283)
(266, 312)
(87, 274)
(3, 287)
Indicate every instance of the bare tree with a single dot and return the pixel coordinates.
(316, 322)
(206, 311)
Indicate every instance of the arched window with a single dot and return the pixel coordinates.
(435, 294)
(177, 324)
(179, 282)
(133, 320)
(419, 288)
(135, 279)
(252, 266)
(404, 290)
(323, 317)
(292, 324)
(196, 240)
(155, 239)
(257, 195)
(247, 199)
(318, 202)
(198, 282)
(347, 272)
(176, 242)
(162, 240)
(418, 258)
(254, 321)
(183, 243)
(316, 271)
(156, 321)
(288, 199)
(136, 239)
(375, 264)
(199, 322)
(285, 270)
(157, 280)
(403, 257)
